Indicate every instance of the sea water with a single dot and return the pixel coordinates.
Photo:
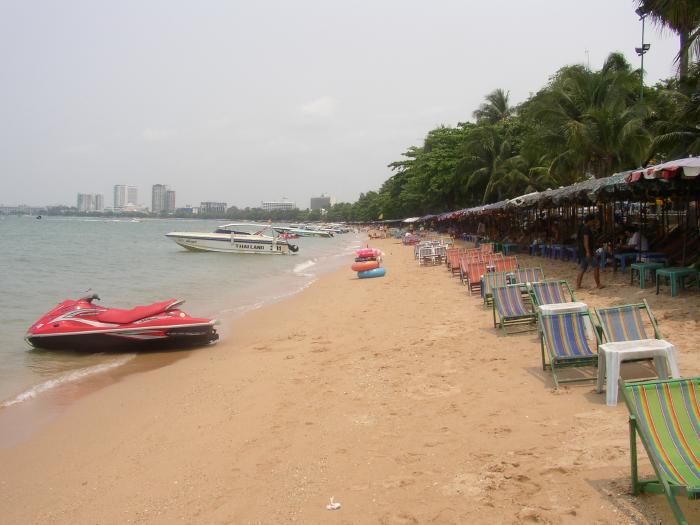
(129, 262)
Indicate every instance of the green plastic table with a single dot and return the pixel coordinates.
(642, 268)
(676, 275)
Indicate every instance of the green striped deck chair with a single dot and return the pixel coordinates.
(666, 416)
(552, 292)
(510, 309)
(529, 275)
(625, 323)
(564, 338)
(492, 280)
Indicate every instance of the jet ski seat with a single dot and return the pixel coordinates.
(117, 316)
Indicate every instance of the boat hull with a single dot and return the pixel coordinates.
(225, 243)
(128, 341)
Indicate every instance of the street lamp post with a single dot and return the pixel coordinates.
(641, 51)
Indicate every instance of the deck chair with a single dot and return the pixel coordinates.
(475, 270)
(529, 275)
(492, 280)
(440, 253)
(665, 415)
(564, 337)
(510, 309)
(552, 292)
(504, 264)
(625, 323)
(465, 259)
(426, 255)
(453, 260)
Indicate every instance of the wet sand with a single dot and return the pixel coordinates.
(394, 395)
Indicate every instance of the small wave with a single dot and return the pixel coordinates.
(299, 268)
(74, 375)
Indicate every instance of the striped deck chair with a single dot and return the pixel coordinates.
(453, 255)
(666, 416)
(510, 309)
(625, 323)
(529, 275)
(464, 261)
(506, 264)
(475, 270)
(565, 340)
(551, 292)
(493, 258)
(491, 281)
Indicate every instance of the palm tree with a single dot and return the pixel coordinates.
(679, 133)
(683, 18)
(591, 121)
(487, 150)
(495, 109)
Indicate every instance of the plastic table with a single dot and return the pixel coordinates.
(557, 251)
(611, 355)
(572, 251)
(654, 257)
(677, 275)
(623, 258)
(642, 268)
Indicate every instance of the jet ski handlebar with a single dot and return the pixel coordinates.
(90, 297)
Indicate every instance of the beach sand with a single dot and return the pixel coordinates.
(395, 396)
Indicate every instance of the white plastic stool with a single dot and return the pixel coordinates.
(611, 355)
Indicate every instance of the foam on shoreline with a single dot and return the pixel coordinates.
(68, 377)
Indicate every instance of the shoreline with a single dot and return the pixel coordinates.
(394, 395)
(36, 405)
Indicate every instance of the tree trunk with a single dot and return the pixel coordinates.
(683, 56)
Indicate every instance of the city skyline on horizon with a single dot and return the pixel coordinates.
(260, 203)
(253, 101)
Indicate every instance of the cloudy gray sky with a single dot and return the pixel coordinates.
(244, 101)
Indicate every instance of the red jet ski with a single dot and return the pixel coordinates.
(83, 326)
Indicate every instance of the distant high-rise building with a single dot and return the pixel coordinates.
(86, 202)
(90, 202)
(284, 204)
(124, 195)
(170, 201)
(323, 202)
(158, 198)
(132, 195)
(119, 196)
(212, 207)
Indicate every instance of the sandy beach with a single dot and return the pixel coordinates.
(395, 396)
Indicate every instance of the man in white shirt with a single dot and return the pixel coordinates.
(638, 242)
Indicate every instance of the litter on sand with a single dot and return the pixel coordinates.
(333, 505)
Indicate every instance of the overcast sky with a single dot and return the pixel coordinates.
(243, 101)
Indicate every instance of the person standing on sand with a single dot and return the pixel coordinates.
(587, 251)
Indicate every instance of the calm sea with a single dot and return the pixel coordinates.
(127, 263)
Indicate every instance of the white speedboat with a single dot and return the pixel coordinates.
(304, 231)
(233, 238)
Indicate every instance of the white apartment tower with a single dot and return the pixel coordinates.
(158, 198)
(170, 201)
(90, 202)
(124, 195)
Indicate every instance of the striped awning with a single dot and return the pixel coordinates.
(688, 168)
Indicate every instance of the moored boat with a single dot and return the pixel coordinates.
(232, 238)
